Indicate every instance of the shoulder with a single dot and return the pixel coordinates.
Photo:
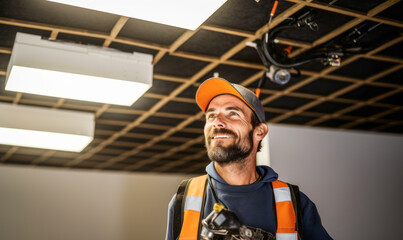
(312, 223)
(307, 205)
(183, 188)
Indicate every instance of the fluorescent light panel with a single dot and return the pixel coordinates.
(47, 140)
(189, 14)
(74, 86)
(74, 71)
(37, 127)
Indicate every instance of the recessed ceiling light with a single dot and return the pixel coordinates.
(38, 127)
(74, 71)
(189, 14)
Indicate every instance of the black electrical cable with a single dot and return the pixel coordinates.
(285, 65)
(327, 53)
(266, 47)
(298, 74)
(260, 84)
(268, 39)
(261, 55)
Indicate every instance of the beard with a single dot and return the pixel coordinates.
(234, 153)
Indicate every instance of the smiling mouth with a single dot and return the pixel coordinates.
(221, 137)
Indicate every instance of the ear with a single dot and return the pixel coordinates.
(261, 131)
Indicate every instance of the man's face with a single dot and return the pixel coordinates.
(228, 130)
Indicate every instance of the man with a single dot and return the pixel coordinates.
(234, 128)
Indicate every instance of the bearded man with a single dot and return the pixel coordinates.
(237, 199)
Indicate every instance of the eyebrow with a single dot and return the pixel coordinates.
(210, 110)
(234, 108)
(227, 108)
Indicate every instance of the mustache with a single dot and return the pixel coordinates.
(217, 131)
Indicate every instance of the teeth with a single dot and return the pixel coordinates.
(221, 136)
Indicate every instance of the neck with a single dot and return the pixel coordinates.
(238, 173)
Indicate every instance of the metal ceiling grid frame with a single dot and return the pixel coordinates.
(163, 130)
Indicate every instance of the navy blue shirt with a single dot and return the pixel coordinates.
(253, 204)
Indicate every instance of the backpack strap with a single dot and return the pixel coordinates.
(296, 200)
(178, 208)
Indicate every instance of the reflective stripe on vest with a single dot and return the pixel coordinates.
(286, 220)
(193, 204)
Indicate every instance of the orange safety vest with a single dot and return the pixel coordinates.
(286, 217)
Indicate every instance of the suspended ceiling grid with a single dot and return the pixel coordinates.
(163, 130)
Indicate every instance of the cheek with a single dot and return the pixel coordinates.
(246, 134)
(206, 129)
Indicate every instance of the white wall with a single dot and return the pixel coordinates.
(354, 178)
(42, 203)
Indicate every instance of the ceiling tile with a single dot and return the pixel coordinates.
(365, 92)
(362, 68)
(287, 102)
(323, 87)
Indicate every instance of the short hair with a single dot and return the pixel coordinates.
(255, 122)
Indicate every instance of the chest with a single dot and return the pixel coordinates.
(253, 208)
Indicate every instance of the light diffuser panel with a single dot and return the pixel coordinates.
(74, 71)
(46, 140)
(74, 86)
(46, 128)
(189, 14)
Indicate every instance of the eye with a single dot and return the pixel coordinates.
(232, 113)
(210, 116)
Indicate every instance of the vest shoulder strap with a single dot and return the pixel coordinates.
(287, 207)
(191, 191)
(187, 207)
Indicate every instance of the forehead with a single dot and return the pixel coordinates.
(224, 101)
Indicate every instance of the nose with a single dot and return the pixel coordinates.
(219, 121)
